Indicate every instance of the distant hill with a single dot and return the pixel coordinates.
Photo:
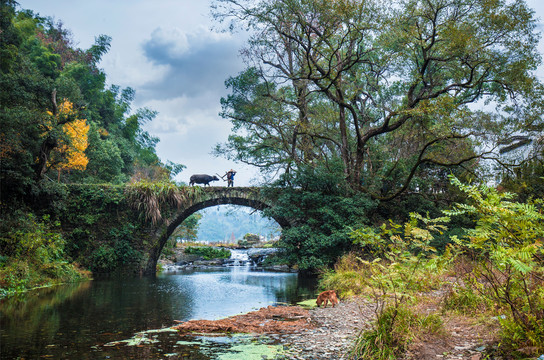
(223, 223)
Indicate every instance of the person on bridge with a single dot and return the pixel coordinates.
(230, 177)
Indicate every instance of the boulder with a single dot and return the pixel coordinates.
(257, 255)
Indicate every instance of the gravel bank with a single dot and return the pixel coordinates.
(336, 328)
(335, 331)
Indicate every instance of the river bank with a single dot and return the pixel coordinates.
(330, 333)
(337, 328)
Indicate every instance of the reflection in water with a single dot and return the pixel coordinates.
(73, 321)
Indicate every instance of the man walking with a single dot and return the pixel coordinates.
(230, 177)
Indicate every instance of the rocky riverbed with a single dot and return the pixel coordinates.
(334, 334)
(337, 328)
(178, 260)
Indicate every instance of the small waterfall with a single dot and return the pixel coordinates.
(239, 257)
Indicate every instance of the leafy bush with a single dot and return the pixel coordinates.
(111, 257)
(401, 258)
(507, 247)
(104, 260)
(208, 252)
(33, 255)
(321, 209)
(401, 265)
(124, 250)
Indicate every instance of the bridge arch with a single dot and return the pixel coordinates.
(209, 197)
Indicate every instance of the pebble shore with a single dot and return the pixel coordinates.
(337, 328)
(334, 335)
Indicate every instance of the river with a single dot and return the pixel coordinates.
(87, 320)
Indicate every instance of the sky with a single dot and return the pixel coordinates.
(168, 53)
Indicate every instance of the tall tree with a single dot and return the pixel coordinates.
(70, 154)
(397, 89)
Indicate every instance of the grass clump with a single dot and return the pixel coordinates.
(347, 278)
(394, 330)
(465, 301)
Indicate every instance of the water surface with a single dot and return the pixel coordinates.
(75, 321)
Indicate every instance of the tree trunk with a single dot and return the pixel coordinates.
(48, 144)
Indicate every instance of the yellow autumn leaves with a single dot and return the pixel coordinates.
(70, 154)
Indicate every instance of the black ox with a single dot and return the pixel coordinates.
(202, 179)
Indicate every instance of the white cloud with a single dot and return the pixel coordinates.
(183, 114)
(197, 62)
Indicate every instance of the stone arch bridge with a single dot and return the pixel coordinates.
(206, 197)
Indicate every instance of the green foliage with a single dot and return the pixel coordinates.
(507, 247)
(347, 278)
(401, 266)
(186, 231)
(466, 300)
(321, 210)
(400, 258)
(122, 244)
(42, 69)
(33, 255)
(208, 252)
(252, 238)
(105, 235)
(115, 255)
(527, 180)
(104, 260)
(249, 240)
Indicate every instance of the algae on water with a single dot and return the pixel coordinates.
(251, 352)
(308, 304)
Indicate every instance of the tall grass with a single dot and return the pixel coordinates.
(151, 198)
(393, 332)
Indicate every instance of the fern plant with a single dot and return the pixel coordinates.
(403, 263)
(507, 245)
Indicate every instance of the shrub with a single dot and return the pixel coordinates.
(402, 261)
(33, 255)
(321, 208)
(104, 260)
(400, 258)
(507, 248)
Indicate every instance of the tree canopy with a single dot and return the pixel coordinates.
(402, 92)
(59, 114)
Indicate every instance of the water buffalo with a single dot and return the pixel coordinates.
(202, 179)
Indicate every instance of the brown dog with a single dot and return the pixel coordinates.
(325, 297)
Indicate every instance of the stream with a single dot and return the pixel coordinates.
(97, 319)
